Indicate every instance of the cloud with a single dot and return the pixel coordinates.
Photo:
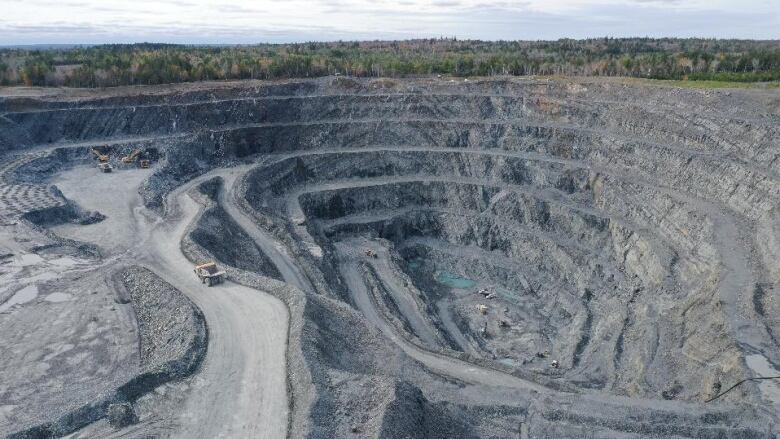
(235, 9)
(446, 3)
(234, 21)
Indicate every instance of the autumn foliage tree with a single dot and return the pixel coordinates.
(113, 65)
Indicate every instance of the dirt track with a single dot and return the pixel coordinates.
(241, 388)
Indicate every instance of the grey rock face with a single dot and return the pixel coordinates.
(626, 231)
(225, 240)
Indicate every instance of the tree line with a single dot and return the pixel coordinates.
(136, 64)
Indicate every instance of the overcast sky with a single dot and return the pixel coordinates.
(235, 21)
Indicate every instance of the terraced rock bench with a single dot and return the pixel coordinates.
(17, 199)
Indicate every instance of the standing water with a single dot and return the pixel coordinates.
(770, 389)
(453, 280)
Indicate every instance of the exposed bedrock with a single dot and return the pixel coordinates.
(227, 242)
(629, 232)
(336, 384)
(365, 387)
(539, 236)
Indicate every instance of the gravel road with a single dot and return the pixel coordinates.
(241, 389)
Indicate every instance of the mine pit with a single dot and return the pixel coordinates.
(565, 255)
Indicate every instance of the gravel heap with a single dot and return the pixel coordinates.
(173, 330)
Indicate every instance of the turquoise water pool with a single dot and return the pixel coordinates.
(453, 280)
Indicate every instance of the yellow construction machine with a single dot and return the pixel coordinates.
(128, 159)
(102, 158)
(208, 273)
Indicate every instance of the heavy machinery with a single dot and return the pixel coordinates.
(208, 273)
(102, 158)
(128, 159)
(134, 157)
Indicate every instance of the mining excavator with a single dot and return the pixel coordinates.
(135, 157)
(102, 158)
(128, 159)
(208, 273)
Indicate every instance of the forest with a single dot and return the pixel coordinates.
(146, 63)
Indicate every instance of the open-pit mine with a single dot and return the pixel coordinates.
(377, 258)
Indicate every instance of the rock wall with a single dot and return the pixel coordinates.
(627, 229)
